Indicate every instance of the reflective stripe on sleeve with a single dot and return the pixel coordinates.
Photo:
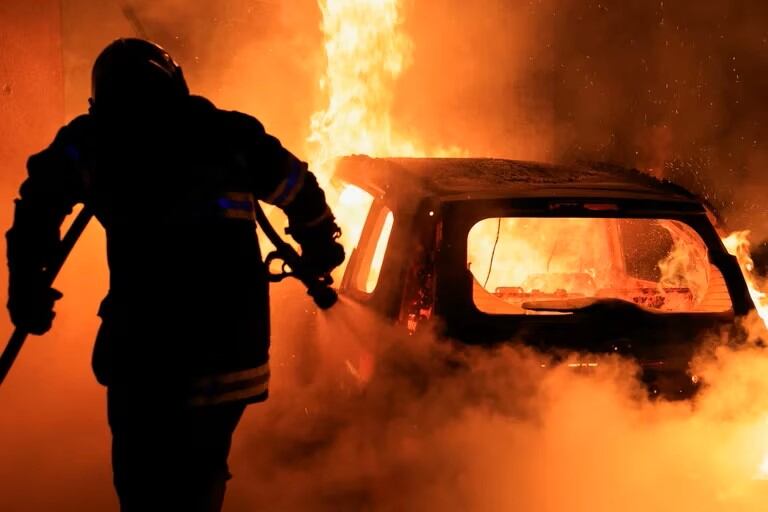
(289, 188)
(238, 205)
(319, 219)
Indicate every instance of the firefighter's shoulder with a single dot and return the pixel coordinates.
(231, 123)
(67, 146)
(80, 123)
(76, 131)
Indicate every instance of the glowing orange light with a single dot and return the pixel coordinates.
(762, 471)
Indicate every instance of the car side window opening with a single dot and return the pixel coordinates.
(353, 205)
(358, 211)
(658, 264)
(373, 251)
(352, 208)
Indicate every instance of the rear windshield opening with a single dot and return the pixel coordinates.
(659, 264)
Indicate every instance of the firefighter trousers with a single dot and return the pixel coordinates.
(167, 457)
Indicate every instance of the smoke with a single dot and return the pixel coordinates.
(668, 87)
(673, 88)
(261, 57)
(445, 427)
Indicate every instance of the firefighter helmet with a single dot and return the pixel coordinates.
(133, 75)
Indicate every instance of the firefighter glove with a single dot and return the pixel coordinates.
(31, 308)
(321, 259)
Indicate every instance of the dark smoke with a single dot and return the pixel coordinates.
(674, 88)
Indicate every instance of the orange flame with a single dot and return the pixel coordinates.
(366, 52)
(737, 244)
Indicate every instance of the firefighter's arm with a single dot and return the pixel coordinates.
(288, 184)
(53, 186)
(313, 226)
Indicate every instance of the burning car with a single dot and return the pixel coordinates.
(587, 258)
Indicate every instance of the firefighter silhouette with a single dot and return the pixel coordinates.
(184, 340)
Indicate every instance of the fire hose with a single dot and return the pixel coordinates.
(19, 336)
(318, 287)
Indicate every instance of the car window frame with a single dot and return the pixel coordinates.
(365, 247)
(454, 295)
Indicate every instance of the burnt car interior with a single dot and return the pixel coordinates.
(547, 265)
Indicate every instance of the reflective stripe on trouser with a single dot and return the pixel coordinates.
(244, 385)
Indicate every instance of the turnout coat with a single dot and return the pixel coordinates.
(187, 313)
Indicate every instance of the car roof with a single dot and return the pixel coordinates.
(479, 178)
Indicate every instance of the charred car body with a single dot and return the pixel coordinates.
(585, 258)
